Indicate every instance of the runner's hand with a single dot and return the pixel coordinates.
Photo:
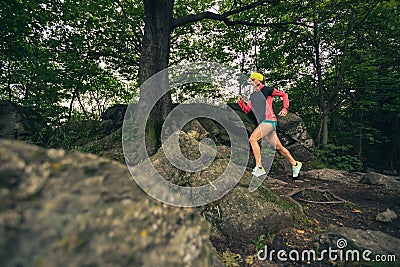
(283, 113)
(239, 98)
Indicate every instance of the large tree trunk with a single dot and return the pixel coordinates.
(154, 58)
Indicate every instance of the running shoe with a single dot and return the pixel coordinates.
(258, 171)
(296, 169)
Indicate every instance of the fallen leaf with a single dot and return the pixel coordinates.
(357, 211)
(300, 231)
(143, 233)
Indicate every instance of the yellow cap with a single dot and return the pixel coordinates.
(256, 75)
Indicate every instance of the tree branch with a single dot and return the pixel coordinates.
(373, 6)
(224, 17)
(138, 38)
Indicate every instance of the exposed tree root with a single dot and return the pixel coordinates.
(338, 200)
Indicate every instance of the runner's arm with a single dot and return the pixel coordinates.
(285, 99)
(245, 107)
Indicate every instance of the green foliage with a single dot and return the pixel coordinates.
(270, 196)
(196, 90)
(53, 56)
(71, 135)
(338, 157)
(338, 62)
(259, 242)
(93, 149)
(71, 60)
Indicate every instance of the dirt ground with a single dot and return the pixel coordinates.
(328, 205)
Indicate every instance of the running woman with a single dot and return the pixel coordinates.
(261, 104)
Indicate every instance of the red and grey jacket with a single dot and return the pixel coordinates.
(261, 103)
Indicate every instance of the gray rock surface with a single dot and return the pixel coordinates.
(17, 122)
(361, 240)
(378, 179)
(115, 113)
(386, 216)
(332, 175)
(62, 208)
(294, 127)
(239, 217)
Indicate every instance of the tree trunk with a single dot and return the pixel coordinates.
(154, 58)
(360, 137)
(324, 111)
(325, 129)
(9, 81)
(395, 145)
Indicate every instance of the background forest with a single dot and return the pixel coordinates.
(338, 60)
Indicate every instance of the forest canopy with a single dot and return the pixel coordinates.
(338, 61)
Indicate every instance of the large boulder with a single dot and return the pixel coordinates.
(374, 178)
(249, 120)
(294, 136)
(62, 208)
(239, 217)
(17, 122)
(115, 113)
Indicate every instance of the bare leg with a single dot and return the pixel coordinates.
(273, 139)
(261, 131)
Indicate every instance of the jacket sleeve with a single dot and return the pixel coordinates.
(285, 98)
(245, 107)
